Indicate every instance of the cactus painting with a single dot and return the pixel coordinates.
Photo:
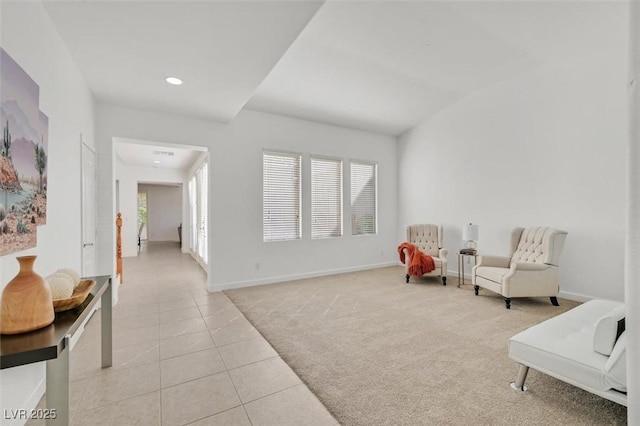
(23, 158)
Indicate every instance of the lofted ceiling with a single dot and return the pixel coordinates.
(381, 66)
(387, 66)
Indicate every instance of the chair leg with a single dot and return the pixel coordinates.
(444, 280)
(407, 278)
(507, 302)
(476, 288)
(554, 301)
(522, 376)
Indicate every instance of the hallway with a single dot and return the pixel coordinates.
(182, 355)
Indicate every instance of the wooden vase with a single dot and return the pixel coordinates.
(26, 301)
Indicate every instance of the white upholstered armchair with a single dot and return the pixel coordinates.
(532, 269)
(428, 238)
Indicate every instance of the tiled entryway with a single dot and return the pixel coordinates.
(181, 356)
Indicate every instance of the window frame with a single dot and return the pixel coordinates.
(290, 154)
(376, 195)
(340, 197)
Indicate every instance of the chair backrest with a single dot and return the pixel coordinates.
(537, 245)
(428, 238)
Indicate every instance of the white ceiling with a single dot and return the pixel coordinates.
(387, 66)
(221, 50)
(381, 66)
(143, 155)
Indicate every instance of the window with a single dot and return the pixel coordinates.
(142, 216)
(198, 203)
(281, 196)
(193, 209)
(326, 198)
(363, 198)
(202, 177)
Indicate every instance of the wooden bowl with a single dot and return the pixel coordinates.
(80, 293)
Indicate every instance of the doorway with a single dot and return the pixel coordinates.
(160, 213)
(154, 198)
(143, 217)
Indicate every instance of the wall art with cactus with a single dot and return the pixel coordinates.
(23, 158)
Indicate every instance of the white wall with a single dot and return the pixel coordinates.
(164, 211)
(632, 261)
(235, 214)
(129, 178)
(546, 148)
(30, 38)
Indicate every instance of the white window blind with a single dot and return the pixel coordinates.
(326, 198)
(363, 198)
(281, 196)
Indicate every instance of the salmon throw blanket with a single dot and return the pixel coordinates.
(419, 262)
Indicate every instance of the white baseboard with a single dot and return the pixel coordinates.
(574, 296)
(562, 294)
(262, 281)
(455, 274)
(283, 278)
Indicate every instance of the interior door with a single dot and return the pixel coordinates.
(88, 211)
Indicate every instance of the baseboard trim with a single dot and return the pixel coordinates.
(578, 297)
(455, 274)
(283, 278)
(574, 296)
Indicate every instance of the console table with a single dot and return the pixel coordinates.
(52, 344)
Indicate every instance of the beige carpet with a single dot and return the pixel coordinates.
(377, 351)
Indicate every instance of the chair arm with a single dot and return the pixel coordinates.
(406, 259)
(406, 255)
(442, 253)
(526, 266)
(494, 261)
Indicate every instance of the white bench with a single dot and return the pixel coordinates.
(585, 347)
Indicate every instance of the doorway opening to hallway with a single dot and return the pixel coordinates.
(163, 200)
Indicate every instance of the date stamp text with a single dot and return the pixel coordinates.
(22, 414)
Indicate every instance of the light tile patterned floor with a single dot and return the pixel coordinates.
(183, 356)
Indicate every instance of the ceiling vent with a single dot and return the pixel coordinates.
(163, 153)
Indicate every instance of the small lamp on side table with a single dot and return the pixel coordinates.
(470, 236)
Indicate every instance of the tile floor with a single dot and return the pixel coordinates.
(181, 356)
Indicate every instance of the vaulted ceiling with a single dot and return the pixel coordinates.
(381, 66)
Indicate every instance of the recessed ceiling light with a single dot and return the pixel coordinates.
(156, 161)
(174, 80)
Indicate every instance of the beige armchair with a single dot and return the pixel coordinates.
(532, 269)
(428, 238)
